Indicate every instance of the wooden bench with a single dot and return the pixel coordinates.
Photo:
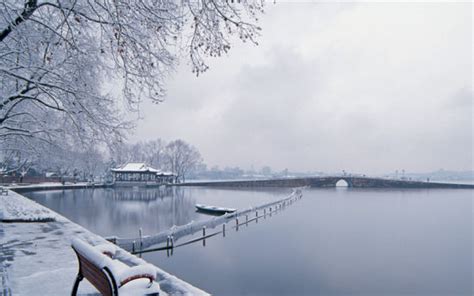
(108, 276)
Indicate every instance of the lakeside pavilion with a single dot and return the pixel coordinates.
(140, 173)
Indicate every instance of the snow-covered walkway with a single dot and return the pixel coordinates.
(36, 258)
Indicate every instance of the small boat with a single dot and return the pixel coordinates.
(214, 210)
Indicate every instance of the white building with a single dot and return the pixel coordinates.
(141, 174)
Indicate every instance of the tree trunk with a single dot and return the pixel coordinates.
(30, 7)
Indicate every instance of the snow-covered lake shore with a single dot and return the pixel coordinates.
(20, 188)
(37, 258)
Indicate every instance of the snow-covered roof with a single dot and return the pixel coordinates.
(140, 167)
(161, 173)
(135, 167)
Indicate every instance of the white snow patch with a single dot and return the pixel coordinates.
(91, 253)
(107, 249)
(15, 207)
(139, 270)
(49, 185)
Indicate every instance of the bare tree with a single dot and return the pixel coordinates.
(57, 56)
(62, 160)
(91, 163)
(181, 158)
(155, 153)
(14, 160)
(151, 152)
(121, 154)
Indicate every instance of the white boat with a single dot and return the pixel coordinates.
(214, 209)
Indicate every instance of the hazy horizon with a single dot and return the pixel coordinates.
(370, 88)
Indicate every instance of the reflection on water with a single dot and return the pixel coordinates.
(146, 194)
(122, 211)
(332, 242)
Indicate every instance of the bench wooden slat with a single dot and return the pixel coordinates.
(90, 270)
(96, 276)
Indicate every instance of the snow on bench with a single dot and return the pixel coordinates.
(109, 276)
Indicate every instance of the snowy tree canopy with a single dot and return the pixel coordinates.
(56, 57)
(181, 158)
(178, 156)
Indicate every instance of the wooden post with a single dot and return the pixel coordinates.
(133, 247)
(140, 237)
(247, 220)
(223, 230)
(204, 235)
(237, 224)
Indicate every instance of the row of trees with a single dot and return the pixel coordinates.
(176, 156)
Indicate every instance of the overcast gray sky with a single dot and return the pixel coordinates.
(363, 87)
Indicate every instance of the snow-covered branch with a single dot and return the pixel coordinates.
(56, 57)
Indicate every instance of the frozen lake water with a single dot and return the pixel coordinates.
(336, 241)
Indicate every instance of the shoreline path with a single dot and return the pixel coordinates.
(36, 257)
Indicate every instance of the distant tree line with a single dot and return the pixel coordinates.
(177, 156)
(86, 163)
(202, 172)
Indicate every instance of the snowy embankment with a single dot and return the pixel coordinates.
(37, 259)
(53, 186)
(16, 208)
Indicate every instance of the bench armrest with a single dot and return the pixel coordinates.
(145, 271)
(107, 249)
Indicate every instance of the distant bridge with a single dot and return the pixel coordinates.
(329, 181)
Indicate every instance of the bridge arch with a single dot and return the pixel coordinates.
(342, 182)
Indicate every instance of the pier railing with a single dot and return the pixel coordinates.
(170, 237)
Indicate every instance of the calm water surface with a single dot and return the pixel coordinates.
(334, 241)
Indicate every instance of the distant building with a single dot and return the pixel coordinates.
(141, 174)
(51, 175)
(166, 177)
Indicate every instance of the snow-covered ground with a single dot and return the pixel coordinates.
(36, 258)
(15, 207)
(51, 186)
